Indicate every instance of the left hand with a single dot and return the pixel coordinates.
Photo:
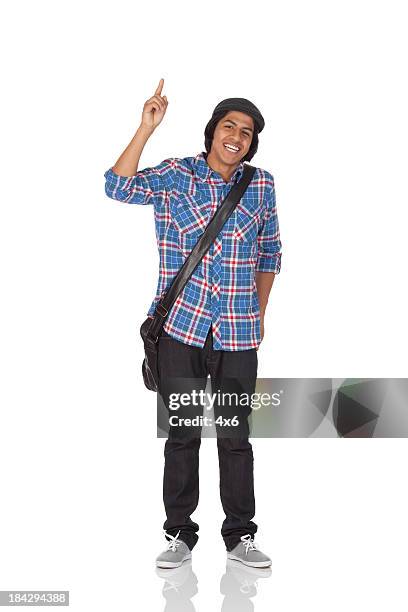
(262, 329)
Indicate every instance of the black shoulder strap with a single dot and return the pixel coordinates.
(203, 244)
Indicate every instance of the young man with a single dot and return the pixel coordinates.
(217, 322)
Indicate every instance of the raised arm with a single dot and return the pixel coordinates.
(124, 182)
(154, 110)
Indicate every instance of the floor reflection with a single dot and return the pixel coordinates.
(239, 585)
(180, 585)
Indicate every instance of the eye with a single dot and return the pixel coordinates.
(244, 133)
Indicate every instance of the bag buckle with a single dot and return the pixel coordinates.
(161, 310)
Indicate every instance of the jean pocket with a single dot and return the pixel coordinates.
(165, 336)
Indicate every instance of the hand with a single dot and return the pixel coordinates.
(154, 108)
(262, 329)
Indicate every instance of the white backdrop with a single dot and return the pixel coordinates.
(81, 468)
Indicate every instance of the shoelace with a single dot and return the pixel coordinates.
(248, 543)
(174, 542)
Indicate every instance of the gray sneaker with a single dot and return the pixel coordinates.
(176, 552)
(247, 552)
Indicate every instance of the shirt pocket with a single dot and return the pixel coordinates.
(190, 217)
(246, 223)
(189, 214)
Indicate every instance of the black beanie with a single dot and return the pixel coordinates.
(238, 104)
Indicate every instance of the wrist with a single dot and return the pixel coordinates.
(145, 130)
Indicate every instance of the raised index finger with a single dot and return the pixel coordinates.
(159, 87)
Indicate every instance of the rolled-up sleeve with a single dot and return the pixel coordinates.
(269, 243)
(147, 186)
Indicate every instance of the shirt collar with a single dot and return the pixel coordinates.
(203, 171)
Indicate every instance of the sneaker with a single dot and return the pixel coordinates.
(176, 552)
(247, 552)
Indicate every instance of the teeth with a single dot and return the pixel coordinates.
(231, 148)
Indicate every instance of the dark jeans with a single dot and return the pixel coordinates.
(183, 368)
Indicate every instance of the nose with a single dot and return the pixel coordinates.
(235, 137)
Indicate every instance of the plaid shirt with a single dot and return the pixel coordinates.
(185, 193)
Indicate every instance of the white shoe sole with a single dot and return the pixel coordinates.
(171, 564)
(250, 563)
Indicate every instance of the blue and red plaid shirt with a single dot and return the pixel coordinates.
(221, 293)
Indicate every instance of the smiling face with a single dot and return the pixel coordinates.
(235, 129)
